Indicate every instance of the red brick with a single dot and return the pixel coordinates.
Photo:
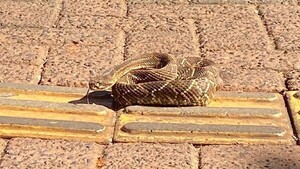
(74, 64)
(172, 42)
(244, 156)
(252, 59)
(36, 13)
(283, 22)
(232, 28)
(146, 155)
(94, 7)
(37, 153)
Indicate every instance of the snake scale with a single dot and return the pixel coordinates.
(160, 79)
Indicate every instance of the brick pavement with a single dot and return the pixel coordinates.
(66, 42)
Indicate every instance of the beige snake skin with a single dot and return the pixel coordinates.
(160, 79)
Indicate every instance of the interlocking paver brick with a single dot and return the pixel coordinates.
(157, 1)
(94, 7)
(74, 64)
(146, 155)
(244, 156)
(281, 18)
(253, 59)
(37, 153)
(282, 61)
(286, 2)
(252, 70)
(21, 63)
(93, 14)
(218, 1)
(162, 10)
(288, 41)
(38, 13)
(20, 73)
(232, 28)
(168, 17)
(159, 23)
(283, 22)
(246, 59)
(12, 35)
(22, 54)
(178, 44)
(91, 22)
(3, 144)
(75, 56)
(293, 80)
(214, 1)
(242, 1)
(88, 37)
(237, 79)
(161, 17)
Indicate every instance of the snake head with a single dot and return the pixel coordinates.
(97, 84)
(102, 82)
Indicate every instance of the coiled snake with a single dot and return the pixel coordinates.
(160, 79)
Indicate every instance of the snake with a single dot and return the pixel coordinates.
(160, 79)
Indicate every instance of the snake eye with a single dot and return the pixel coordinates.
(97, 85)
(94, 85)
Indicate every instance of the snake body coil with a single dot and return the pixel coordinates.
(160, 79)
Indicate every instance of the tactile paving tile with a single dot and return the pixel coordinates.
(233, 117)
(293, 98)
(54, 113)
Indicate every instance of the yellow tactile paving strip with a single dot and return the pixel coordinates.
(233, 117)
(254, 118)
(21, 115)
(293, 98)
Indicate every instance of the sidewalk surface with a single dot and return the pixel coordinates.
(66, 42)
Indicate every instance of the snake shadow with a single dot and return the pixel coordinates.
(102, 98)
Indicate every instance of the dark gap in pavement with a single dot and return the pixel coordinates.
(270, 35)
(289, 111)
(43, 66)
